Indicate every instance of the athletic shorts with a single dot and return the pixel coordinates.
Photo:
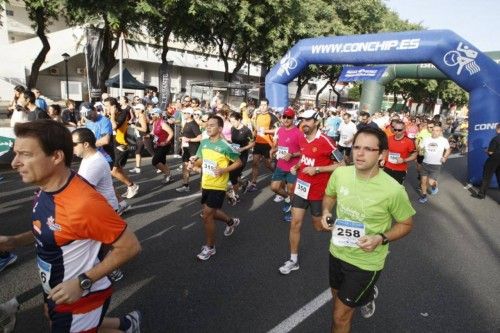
(354, 285)
(236, 174)
(187, 152)
(431, 170)
(299, 202)
(262, 149)
(420, 159)
(63, 322)
(398, 175)
(213, 198)
(121, 156)
(344, 150)
(283, 176)
(160, 155)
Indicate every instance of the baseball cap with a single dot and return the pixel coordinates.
(308, 114)
(86, 108)
(156, 111)
(289, 113)
(139, 106)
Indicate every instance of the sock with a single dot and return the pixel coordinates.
(294, 257)
(287, 199)
(125, 323)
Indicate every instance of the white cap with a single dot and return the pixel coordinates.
(307, 114)
(139, 106)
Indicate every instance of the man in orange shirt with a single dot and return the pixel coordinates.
(264, 126)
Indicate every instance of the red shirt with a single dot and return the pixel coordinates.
(316, 153)
(398, 148)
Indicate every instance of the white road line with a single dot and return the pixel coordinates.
(167, 200)
(158, 234)
(188, 226)
(295, 319)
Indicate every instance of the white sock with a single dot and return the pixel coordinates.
(294, 257)
(287, 199)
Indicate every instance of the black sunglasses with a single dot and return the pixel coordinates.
(76, 143)
(398, 129)
(287, 117)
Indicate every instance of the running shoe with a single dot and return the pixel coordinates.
(287, 207)
(135, 170)
(434, 190)
(206, 252)
(289, 266)
(423, 199)
(244, 184)
(132, 191)
(278, 198)
(251, 187)
(166, 179)
(230, 228)
(135, 318)
(287, 217)
(123, 206)
(368, 310)
(116, 275)
(375, 292)
(8, 311)
(183, 188)
(7, 261)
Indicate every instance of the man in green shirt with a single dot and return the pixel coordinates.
(367, 202)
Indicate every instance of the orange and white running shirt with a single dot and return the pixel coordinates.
(70, 226)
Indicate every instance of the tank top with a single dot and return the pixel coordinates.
(160, 134)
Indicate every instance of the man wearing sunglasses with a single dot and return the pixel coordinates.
(401, 151)
(367, 202)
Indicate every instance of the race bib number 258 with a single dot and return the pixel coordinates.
(347, 233)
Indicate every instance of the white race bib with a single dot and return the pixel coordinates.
(282, 151)
(235, 146)
(209, 167)
(411, 135)
(185, 144)
(261, 131)
(393, 157)
(302, 188)
(44, 269)
(347, 233)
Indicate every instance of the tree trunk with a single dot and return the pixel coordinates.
(394, 100)
(108, 55)
(164, 49)
(300, 85)
(40, 31)
(320, 91)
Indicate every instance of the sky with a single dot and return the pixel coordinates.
(476, 21)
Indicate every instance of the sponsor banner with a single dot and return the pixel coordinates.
(362, 73)
(6, 143)
(93, 52)
(164, 78)
(374, 46)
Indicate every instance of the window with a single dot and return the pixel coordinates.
(9, 12)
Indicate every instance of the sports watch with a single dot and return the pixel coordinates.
(385, 240)
(85, 282)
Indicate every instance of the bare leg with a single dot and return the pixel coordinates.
(295, 226)
(118, 173)
(209, 223)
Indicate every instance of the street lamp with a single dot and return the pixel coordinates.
(66, 58)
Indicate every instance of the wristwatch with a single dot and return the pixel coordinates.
(316, 169)
(85, 282)
(385, 240)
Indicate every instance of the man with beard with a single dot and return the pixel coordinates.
(313, 170)
(27, 101)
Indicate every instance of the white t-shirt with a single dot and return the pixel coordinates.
(434, 149)
(347, 132)
(18, 117)
(96, 171)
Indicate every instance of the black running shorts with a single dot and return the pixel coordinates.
(213, 198)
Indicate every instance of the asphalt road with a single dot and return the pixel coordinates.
(442, 278)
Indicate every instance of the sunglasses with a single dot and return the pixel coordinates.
(398, 129)
(76, 143)
(287, 117)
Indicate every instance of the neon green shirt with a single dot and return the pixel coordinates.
(215, 154)
(375, 203)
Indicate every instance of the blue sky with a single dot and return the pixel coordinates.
(476, 21)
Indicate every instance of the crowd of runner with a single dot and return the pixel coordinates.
(320, 160)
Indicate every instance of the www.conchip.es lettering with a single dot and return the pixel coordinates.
(386, 45)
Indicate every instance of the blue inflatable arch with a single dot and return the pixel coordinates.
(458, 59)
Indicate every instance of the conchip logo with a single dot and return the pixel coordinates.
(485, 127)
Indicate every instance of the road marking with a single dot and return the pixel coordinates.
(168, 200)
(158, 234)
(295, 319)
(188, 226)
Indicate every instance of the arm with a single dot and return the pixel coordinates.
(124, 248)
(328, 204)
(105, 140)
(447, 153)
(235, 165)
(169, 131)
(9, 243)
(400, 229)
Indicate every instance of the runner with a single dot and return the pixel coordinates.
(214, 157)
(286, 146)
(426, 127)
(491, 165)
(68, 234)
(401, 151)
(367, 202)
(313, 172)
(436, 150)
(163, 135)
(190, 141)
(143, 137)
(347, 129)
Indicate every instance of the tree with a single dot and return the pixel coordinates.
(41, 13)
(115, 17)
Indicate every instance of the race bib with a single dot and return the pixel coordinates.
(209, 167)
(185, 144)
(282, 151)
(302, 188)
(346, 233)
(136, 132)
(261, 131)
(44, 269)
(235, 146)
(393, 157)
(411, 135)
